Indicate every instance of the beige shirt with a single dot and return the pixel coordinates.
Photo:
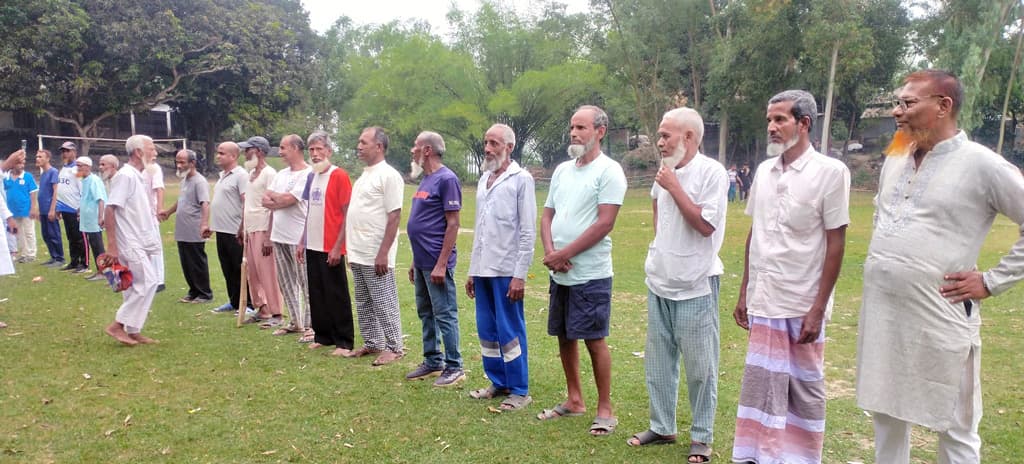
(791, 211)
(257, 218)
(377, 192)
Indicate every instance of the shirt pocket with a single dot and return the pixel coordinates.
(799, 215)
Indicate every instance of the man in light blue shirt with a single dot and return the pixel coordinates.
(90, 210)
(503, 241)
(584, 199)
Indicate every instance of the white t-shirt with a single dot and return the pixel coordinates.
(136, 226)
(377, 192)
(291, 221)
(680, 259)
(69, 194)
(257, 217)
(791, 211)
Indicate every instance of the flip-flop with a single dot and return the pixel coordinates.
(649, 437)
(272, 322)
(701, 451)
(556, 412)
(603, 424)
(516, 402)
(387, 357)
(488, 393)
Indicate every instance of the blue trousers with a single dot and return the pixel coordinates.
(439, 312)
(51, 237)
(501, 325)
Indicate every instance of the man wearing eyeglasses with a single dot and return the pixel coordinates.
(918, 345)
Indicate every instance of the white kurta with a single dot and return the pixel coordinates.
(913, 345)
(6, 265)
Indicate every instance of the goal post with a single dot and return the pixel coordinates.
(53, 143)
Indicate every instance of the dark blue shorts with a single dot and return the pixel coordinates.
(580, 312)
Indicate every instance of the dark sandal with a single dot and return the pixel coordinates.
(701, 451)
(648, 437)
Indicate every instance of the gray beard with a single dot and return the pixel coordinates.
(415, 169)
(493, 164)
(576, 150)
(321, 166)
(251, 164)
(672, 161)
(776, 149)
(181, 174)
(106, 176)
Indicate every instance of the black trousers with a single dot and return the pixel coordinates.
(197, 272)
(76, 244)
(330, 307)
(95, 240)
(229, 252)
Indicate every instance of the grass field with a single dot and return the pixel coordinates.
(212, 393)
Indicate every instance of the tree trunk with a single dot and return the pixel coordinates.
(1009, 90)
(723, 136)
(827, 120)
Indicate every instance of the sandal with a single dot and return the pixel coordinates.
(285, 331)
(274, 321)
(255, 320)
(361, 351)
(701, 451)
(516, 402)
(603, 426)
(649, 437)
(387, 357)
(307, 336)
(557, 412)
(488, 393)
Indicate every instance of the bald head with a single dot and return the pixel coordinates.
(227, 155)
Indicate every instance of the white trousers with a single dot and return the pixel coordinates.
(138, 298)
(961, 444)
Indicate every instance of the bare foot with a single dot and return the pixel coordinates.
(3, 326)
(340, 352)
(315, 345)
(116, 330)
(142, 339)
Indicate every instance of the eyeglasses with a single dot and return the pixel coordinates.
(905, 104)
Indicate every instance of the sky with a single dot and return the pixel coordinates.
(323, 13)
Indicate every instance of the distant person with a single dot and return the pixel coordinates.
(49, 220)
(799, 207)
(433, 228)
(689, 209)
(22, 191)
(503, 240)
(371, 229)
(69, 197)
(226, 221)
(734, 182)
(193, 217)
(132, 240)
(579, 214)
(745, 178)
(919, 336)
(93, 204)
(288, 219)
(261, 271)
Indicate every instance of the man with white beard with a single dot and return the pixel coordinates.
(193, 208)
(261, 272)
(503, 240)
(153, 181)
(583, 201)
(689, 199)
(132, 239)
(799, 203)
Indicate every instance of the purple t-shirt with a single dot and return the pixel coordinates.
(438, 192)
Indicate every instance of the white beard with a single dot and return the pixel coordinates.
(151, 167)
(181, 174)
(107, 175)
(251, 164)
(672, 161)
(493, 164)
(321, 166)
(575, 151)
(415, 169)
(776, 149)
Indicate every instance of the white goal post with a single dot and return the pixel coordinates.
(178, 143)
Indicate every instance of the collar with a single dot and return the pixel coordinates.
(512, 169)
(224, 174)
(951, 144)
(799, 163)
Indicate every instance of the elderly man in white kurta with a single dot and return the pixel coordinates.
(689, 199)
(133, 238)
(919, 346)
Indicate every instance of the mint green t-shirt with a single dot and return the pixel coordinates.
(574, 194)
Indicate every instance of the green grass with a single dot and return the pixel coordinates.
(212, 393)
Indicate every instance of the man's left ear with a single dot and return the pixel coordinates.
(945, 106)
